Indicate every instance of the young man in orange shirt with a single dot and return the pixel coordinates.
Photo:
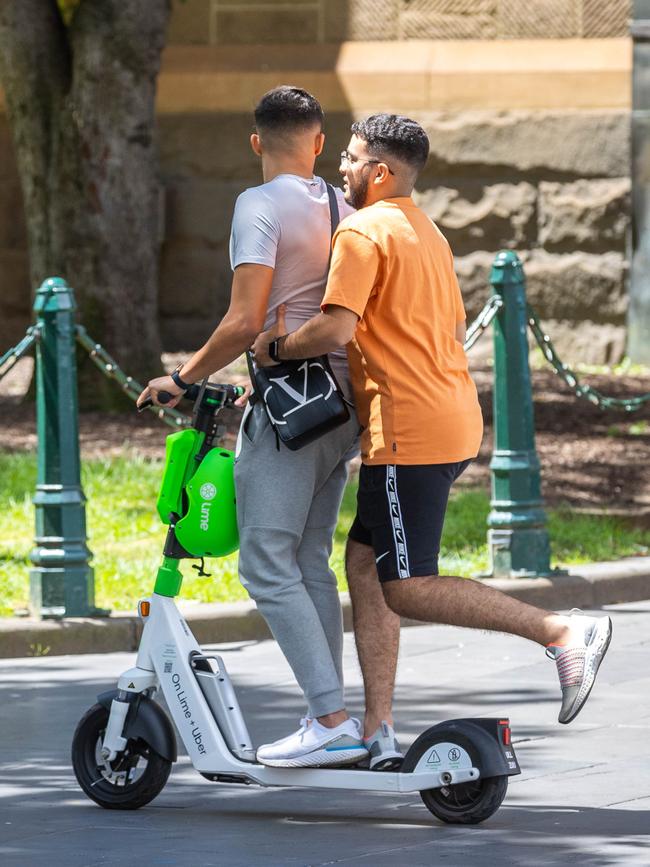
(392, 296)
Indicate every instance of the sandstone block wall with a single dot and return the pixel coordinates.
(544, 171)
(226, 22)
(554, 187)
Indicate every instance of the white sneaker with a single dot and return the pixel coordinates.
(579, 660)
(315, 746)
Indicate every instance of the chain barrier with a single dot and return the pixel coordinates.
(110, 368)
(482, 321)
(629, 404)
(13, 355)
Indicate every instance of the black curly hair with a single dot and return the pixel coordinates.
(393, 135)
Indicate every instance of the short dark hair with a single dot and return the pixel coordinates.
(393, 135)
(286, 109)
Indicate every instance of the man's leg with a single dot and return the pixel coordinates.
(275, 491)
(376, 633)
(274, 495)
(402, 508)
(463, 602)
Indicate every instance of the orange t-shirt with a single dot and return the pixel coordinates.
(415, 398)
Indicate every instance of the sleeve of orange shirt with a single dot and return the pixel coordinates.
(353, 271)
(461, 316)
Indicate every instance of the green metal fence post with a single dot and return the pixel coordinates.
(517, 535)
(62, 580)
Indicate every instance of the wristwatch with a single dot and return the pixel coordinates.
(176, 377)
(274, 348)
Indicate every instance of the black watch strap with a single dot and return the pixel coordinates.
(274, 348)
(175, 375)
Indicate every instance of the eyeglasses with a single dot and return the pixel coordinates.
(350, 159)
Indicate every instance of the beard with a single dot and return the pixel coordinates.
(357, 193)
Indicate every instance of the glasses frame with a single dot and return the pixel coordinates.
(345, 160)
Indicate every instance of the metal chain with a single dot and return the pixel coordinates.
(629, 404)
(13, 355)
(110, 368)
(482, 321)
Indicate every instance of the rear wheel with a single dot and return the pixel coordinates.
(466, 803)
(131, 780)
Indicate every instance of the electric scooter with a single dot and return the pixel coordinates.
(124, 746)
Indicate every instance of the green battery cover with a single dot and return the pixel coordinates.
(180, 448)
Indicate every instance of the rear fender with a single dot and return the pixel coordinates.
(479, 737)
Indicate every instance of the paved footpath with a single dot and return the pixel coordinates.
(583, 797)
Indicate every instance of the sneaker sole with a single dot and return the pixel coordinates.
(597, 650)
(387, 763)
(318, 759)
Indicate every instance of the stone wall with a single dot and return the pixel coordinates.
(529, 144)
(227, 22)
(554, 187)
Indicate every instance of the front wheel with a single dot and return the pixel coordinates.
(466, 803)
(130, 781)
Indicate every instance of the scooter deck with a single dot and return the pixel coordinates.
(346, 778)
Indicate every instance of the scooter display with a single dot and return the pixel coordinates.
(124, 745)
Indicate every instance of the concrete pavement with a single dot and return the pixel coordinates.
(583, 797)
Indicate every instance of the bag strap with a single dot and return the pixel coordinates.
(335, 217)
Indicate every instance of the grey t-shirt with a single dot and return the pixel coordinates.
(285, 224)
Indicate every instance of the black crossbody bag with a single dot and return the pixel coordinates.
(302, 399)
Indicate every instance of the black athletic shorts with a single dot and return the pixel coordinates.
(400, 513)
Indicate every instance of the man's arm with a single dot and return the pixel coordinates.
(324, 333)
(251, 287)
(461, 331)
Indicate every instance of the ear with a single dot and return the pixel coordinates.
(256, 144)
(382, 175)
(319, 144)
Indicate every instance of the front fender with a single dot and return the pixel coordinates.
(148, 721)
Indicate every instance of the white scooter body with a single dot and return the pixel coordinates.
(221, 746)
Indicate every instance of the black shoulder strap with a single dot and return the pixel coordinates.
(334, 215)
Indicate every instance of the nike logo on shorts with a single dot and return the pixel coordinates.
(381, 556)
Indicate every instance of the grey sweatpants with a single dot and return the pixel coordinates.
(287, 509)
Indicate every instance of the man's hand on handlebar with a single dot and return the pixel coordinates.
(155, 386)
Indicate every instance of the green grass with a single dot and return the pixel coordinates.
(126, 536)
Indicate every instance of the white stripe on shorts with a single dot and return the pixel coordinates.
(399, 536)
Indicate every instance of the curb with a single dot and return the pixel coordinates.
(588, 586)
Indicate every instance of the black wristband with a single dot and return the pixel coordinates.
(274, 348)
(175, 375)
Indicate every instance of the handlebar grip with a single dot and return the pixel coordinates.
(233, 392)
(163, 397)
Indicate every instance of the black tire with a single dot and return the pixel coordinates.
(132, 780)
(466, 803)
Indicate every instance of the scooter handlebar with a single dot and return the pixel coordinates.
(232, 392)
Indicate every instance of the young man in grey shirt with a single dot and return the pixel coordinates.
(287, 502)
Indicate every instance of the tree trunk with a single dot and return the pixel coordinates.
(81, 105)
